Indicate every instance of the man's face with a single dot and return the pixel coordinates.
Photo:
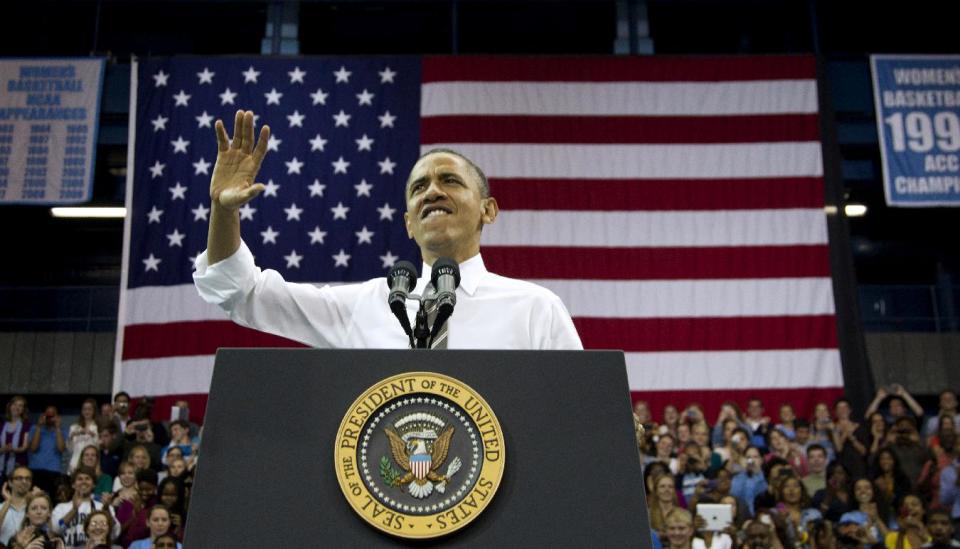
(755, 409)
(21, 481)
(897, 408)
(176, 432)
(842, 410)
(106, 439)
(817, 461)
(83, 485)
(802, 435)
(754, 460)
(758, 535)
(122, 404)
(679, 532)
(948, 401)
(940, 527)
(445, 209)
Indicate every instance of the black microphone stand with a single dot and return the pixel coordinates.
(421, 332)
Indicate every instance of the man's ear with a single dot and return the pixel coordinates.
(406, 222)
(490, 209)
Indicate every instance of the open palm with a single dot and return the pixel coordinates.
(238, 161)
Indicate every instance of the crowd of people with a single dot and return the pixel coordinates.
(112, 479)
(887, 480)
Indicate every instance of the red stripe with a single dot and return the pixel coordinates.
(803, 399)
(620, 129)
(465, 68)
(741, 333)
(658, 194)
(193, 338)
(658, 263)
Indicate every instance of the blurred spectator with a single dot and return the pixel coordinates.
(760, 534)
(175, 455)
(774, 470)
(47, 444)
(822, 426)
(83, 433)
(693, 414)
(640, 407)
(14, 440)
(671, 418)
(683, 435)
(821, 535)
(849, 440)
(888, 478)
(787, 424)
(132, 514)
(169, 541)
(792, 500)
(878, 433)
(37, 524)
(99, 527)
(125, 485)
(749, 483)
(172, 495)
(739, 442)
(852, 531)
(121, 410)
(68, 518)
(90, 458)
(664, 453)
(16, 489)
(780, 446)
(912, 532)
(158, 521)
(947, 407)
(109, 448)
(179, 438)
(877, 512)
(816, 477)
(184, 409)
(758, 423)
(722, 448)
(834, 499)
(729, 410)
(700, 434)
(693, 470)
(943, 454)
(679, 524)
(905, 444)
(949, 489)
(941, 531)
(661, 502)
(899, 399)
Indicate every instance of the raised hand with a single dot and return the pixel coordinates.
(238, 161)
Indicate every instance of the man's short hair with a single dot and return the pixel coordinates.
(940, 512)
(181, 422)
(121, 393)
(797, 424)
(84, 470)
(147, 475)
(816, 448)
(481, 177)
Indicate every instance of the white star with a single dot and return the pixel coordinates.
(177, 191)
(293, 166)
(341, 119)
(319, 97)
(182, 99)
(200, 212)
(270, 189)
(160, 79)
(364, 143)
(153, 216)
(364, 236)
(317, 143)
(151, 263)
(316, 189)
(343, 75)
(386, 119)
(293, 259)
(250, 75)
(273, 96)
(341, 259)
(296, 119)
(157, 169)
(160, 123)
(273, 144)
(296, 75)
(340, 211)
(316, 235)
(204, 120)
(206, 77)
(386, 75)
(340, 166)
(227, 97)
(365, 97)
(293, 212)
(269, 235)
(389, 259)
(386, 165)
(193, 258)
(176, 238)
(180, 145)
(202, 166)
(363, 188)
(386, 212)
(247, 211)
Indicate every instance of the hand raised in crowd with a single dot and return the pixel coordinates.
(238, 161)
(7, 493)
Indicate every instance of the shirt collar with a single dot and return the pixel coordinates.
(472, 272)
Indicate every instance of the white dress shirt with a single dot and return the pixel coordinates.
(492, 311)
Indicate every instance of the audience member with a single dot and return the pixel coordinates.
(36, 530)
(16, 490)
(661, 502)
(69, 517)
(110, 448)
(180, 439)
(877, 512)
(947, 407)
(664, 453)
(834, 499)
(99, 527)
(787, 424)
(780, 446)
(758, 423)
(749, 483)
(83, 433)
(141, 444)
(949, 489)
(172, 494)
(125, 485)
(169, 541)
(671, 418)
(897, 404)
(905, 445)
(158, 521)
(848, 442)
(889, 480)
(132, 514)
(90, 458)
(911, 531)
(693, 470)
(121, 410)
(47, 444)
(941, 531)
(729, 410)
(679, 523)
(816, 477)
(14, 440)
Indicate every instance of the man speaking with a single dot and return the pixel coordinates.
(448, 203)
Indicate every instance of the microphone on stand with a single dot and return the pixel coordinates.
(401, 279)
(445, 277)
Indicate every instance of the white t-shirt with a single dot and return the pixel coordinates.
(720, 541)
(11, 523)
(72, 532)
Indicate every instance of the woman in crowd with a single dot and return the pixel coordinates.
(728, 410)
(849, 441)
(683, 436)
(90, 457)
(83, 433)
(822, 427)
(125, 485)
(664, 453)
(671, 418)
(36, 524)
(944, 454)
(722, 447)
(158, 520)
(98, 527)
(911, 532)
(14, 440)
(889, 480)
(877, 513)
(661, 502)
(693, 414)
(134, 515)
(712, 539)
(835, 499)
(700, 433)
(792, 499)
(170, 455)
(172, 495)
(788, 420)
(877, 433)
(781, 447)
(139, 457)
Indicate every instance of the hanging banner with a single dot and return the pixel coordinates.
(49, 109)
(917, 98)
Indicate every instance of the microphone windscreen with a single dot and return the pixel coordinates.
(442, 266)
(403, 269)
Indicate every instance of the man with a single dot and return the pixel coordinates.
(109, 448)
(948, 407)
(448, 203)
(47, 443)
(950, 490)
(15, 491)
(941, 530)
(121, 410)
(816, 478)
(759, 424)
(749, 483)
(905, 444)
(68, 517)
(692, 469)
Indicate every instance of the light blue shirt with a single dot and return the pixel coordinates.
(147, 543)
(948, 489)
(745, 488)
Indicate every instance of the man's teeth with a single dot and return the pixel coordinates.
(434, 213)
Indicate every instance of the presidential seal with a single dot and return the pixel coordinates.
(419, 455)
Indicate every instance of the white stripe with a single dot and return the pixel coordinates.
(167, 376)
(122, 312)
(694, 298)
(657, 229)
(619, 98)
(714, 370)
(738, 160)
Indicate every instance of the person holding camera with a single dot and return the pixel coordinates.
(36, 531)
(904, 442)
(47, 444)
(69, 517)
(749, 483)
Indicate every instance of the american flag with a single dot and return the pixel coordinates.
(674, 204)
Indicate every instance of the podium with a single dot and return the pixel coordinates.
(266, 475)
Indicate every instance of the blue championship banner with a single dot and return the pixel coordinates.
(49, 110)
(917, 99)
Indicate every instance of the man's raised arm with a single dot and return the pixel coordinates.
(232, 184)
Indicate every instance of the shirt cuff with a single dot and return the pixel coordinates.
(225, 279)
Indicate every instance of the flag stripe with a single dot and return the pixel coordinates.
(616, 69)
(727, 161)
(194, 338)
(622, 129)
(657, 194)
(559, 262)
(694, 298)
(169, 375)
(802, 398)
(734, 369)
(667, 229)
(708, 334)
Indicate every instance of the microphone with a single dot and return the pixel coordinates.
(401, 279)
(445, 277)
